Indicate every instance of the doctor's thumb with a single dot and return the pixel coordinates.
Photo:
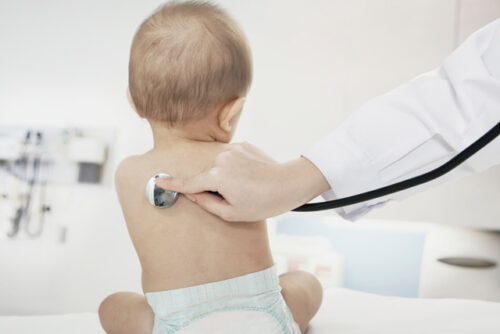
(196, 184)
(172, 184)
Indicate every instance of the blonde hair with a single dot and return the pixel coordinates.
(187, 59)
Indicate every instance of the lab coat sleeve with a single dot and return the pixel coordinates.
(417, 126)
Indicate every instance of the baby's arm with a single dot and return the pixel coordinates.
(303, 294)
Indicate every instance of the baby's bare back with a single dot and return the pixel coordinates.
(184, 245)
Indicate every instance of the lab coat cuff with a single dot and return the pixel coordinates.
(347, 171)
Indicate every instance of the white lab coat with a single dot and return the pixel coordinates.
(417, 126)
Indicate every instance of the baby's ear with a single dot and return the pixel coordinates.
(230, 113)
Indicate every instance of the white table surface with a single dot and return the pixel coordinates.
(343, 312)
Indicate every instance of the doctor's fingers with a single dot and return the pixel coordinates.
(213, 204)
(206, 181)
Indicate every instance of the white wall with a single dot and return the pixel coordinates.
(65, 63)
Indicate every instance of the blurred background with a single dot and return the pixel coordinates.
(65, 124)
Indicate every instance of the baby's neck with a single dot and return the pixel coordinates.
(168, 137)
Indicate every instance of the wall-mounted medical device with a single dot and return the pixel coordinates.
(33, 159)
(90, 155)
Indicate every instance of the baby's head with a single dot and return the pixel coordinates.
(189, 63)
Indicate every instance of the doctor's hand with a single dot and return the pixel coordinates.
(252, 186)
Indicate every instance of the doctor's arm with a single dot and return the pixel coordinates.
(417, 126)
(405, 132)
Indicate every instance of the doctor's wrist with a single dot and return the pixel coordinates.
(303, 181)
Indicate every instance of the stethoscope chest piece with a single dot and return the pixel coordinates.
(159, 197)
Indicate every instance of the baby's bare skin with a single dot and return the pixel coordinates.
(184, 245)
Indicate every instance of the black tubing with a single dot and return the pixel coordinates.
(409, 183)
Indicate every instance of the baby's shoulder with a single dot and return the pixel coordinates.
(127, 171)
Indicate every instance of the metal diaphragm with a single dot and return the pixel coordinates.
(159, 197)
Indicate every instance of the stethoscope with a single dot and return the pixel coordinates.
(165, 198)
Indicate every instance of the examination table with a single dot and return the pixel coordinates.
(343, 312)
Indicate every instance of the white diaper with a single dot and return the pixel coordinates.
(249, 304)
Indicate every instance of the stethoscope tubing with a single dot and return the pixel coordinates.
(409, 183)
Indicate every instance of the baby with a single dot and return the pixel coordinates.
(190, 70)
